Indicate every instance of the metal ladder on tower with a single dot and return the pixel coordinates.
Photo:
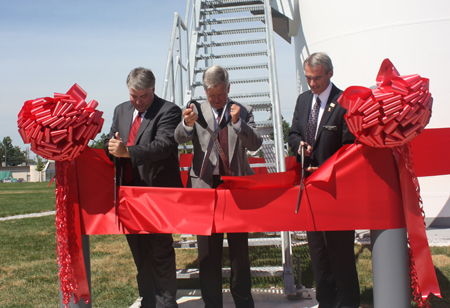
(233, 28)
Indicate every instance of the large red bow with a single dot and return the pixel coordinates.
(390, 116)
(59, 128)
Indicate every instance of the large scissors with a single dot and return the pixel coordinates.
(116, 183)
(302, 179)
(213, 134)
(115, 190)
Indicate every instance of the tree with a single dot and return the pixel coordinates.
(29, 160)
(40, 164)
(99, 143)
(286, 128)
(10, 154)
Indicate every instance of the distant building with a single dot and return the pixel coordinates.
(29, 173)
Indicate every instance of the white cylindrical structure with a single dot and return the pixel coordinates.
(359, 35)
(390, 269)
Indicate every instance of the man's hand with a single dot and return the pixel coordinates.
(307, 153)
(311, 169)
(190, 116)
(234, 113)
(307, 149)
(117, 148)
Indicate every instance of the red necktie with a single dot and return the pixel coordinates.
(134, 129)
(223, 141)
(128, 173)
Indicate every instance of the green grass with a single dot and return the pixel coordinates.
(29, 272)
(26, 198)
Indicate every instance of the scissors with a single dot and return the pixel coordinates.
(213, 134)
(302, 161)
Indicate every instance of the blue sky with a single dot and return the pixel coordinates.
(47, 46)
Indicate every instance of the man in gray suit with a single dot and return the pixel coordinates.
(142, 138)
(239, 134)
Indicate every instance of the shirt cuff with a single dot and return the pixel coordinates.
(188, 129)
(237, 126)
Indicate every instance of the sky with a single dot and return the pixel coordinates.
(47, 46)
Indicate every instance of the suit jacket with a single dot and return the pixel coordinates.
(154, 155)
(332, 131)
(238, 143)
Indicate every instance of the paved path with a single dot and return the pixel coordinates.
(264, 298)
(28, 215)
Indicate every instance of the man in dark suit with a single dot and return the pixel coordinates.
(141, 137)
(319, 125)
(240, 134)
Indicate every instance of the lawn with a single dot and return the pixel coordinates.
(29, 272)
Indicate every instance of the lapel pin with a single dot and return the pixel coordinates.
(331, 106)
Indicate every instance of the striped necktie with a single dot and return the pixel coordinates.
(311, 127)
(223, 141)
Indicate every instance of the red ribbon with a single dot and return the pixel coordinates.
(340, 182)
(59, 128)
(72, 272)
(256, 203)
(262, 202)
(422, 262)
(436, 140)
(390, 116)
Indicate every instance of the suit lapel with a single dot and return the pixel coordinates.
(304, 111)
(149, 116)
(208, 115)
(211, 121)
(329, 109)
(127, 123)
(144, 123)
(232, 136)
(232, 140)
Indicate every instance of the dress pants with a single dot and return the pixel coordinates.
(210, 257)
(154, 257)
(333, 262)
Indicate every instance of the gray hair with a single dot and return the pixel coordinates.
(319, 58)
(214, 76)
(141, 78)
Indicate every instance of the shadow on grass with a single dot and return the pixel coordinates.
(188, 284)
(444, 285)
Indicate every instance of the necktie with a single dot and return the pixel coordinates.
(134, 129)
(224, 168)
(128, 173)
(311, 127)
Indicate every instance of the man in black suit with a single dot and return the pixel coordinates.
(237, 122)
(319, 125)
(142, 139)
